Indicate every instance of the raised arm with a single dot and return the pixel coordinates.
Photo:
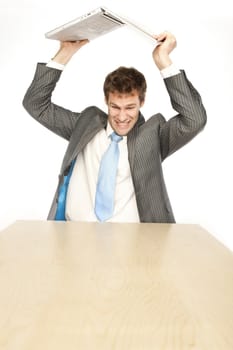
(185, 100)
(37, 100)
(67, 50)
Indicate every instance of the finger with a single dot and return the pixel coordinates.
(162, 36)
(84, 41)
(81, 43)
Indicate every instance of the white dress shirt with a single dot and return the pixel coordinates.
(82, 187)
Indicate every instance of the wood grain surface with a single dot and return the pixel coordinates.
(70, 285)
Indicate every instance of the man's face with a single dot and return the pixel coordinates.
(123, 111)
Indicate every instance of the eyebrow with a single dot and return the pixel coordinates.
(128, 105)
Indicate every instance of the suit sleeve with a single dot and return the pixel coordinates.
(189, 121)
(37, 102)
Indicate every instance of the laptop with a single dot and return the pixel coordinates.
(92, 25)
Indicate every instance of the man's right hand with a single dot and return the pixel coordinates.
(67, 50)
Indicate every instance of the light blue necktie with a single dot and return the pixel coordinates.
(105, 190)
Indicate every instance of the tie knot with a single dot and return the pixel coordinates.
(115, 137)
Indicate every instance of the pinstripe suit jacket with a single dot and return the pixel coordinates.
(149, 143)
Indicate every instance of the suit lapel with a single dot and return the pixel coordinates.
(86, 129)
(131, 141)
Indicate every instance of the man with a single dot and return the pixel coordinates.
(140, 192)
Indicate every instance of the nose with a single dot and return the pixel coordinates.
(122, 115)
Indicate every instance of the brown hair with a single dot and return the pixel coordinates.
(124, 80)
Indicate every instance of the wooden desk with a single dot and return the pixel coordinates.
(89, 286)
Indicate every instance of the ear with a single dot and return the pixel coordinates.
(142, 103)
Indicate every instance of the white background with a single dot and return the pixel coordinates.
(199, 176)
